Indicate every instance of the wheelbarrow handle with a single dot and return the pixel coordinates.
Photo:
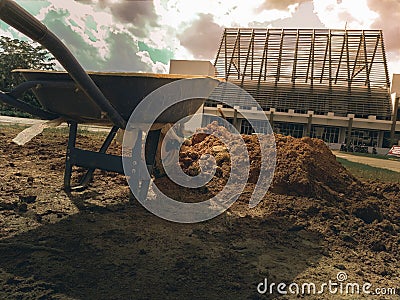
(20, 19)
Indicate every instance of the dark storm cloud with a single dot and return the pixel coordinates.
(122, 54)
(388, 21)
(279, 4)
(202, 37)
(137, 13)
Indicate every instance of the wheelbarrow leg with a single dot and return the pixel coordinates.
(139, 185)
(89, 174)
(68, 164)
(152, 140)
(136, 161)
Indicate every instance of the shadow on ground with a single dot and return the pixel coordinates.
(124, 252)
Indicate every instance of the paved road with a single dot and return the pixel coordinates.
(5, 120)
(389, 164)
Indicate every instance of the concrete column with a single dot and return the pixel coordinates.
(271, 117)
(380, 139)
(309, 123)
(349, 128)
(342, 135)
(394, 120)
(235, 119)
(239, 125)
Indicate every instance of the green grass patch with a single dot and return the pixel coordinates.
(364, 171)
(380, 156)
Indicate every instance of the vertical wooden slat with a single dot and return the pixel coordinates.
(266, 55)
(247, 58)
(384, 61)
(368, 83)
(348, 61)
(373, 55)
(353, 73)
(296, 50)
(330, 60)
(252, 54)
(278, 69)
(325, 55)
(312, 57)
(232, 56)
(263, 61)
(238, 60)
(340, 59)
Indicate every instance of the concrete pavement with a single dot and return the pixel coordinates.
(6, 120)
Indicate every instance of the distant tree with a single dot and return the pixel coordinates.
(17, 54)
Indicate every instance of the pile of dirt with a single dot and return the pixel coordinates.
(304, 167)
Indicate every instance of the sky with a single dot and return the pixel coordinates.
(142, 36)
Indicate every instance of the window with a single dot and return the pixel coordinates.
(259, 127)
(362, 137)
(326, 133)
(292, 129)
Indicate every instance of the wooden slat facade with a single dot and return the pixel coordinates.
(340, 71)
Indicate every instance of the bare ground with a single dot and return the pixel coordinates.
(101, 244)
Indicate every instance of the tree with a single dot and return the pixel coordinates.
(17, 54)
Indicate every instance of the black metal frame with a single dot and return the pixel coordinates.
(11, 98)
(91, 160)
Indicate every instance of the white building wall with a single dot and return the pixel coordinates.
(191, 67)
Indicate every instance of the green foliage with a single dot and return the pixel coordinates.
(17, 54)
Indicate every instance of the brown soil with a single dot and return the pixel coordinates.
(316, 220)
(304, 167)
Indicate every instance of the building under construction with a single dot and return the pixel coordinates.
(330, 84)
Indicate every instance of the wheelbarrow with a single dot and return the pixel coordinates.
(90, 97)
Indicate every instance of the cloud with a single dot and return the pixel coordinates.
(85, 1)
(345, 13)
(388, 21)
(303, 17)
(138, 16)
(156, 67)
(279, 4)
(56, 22)
(122, 55)
(101, 33)
(202, 37)
(98, 47)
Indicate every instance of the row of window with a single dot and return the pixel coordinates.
(329, 134)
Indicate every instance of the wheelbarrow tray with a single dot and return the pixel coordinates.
(123, 90)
